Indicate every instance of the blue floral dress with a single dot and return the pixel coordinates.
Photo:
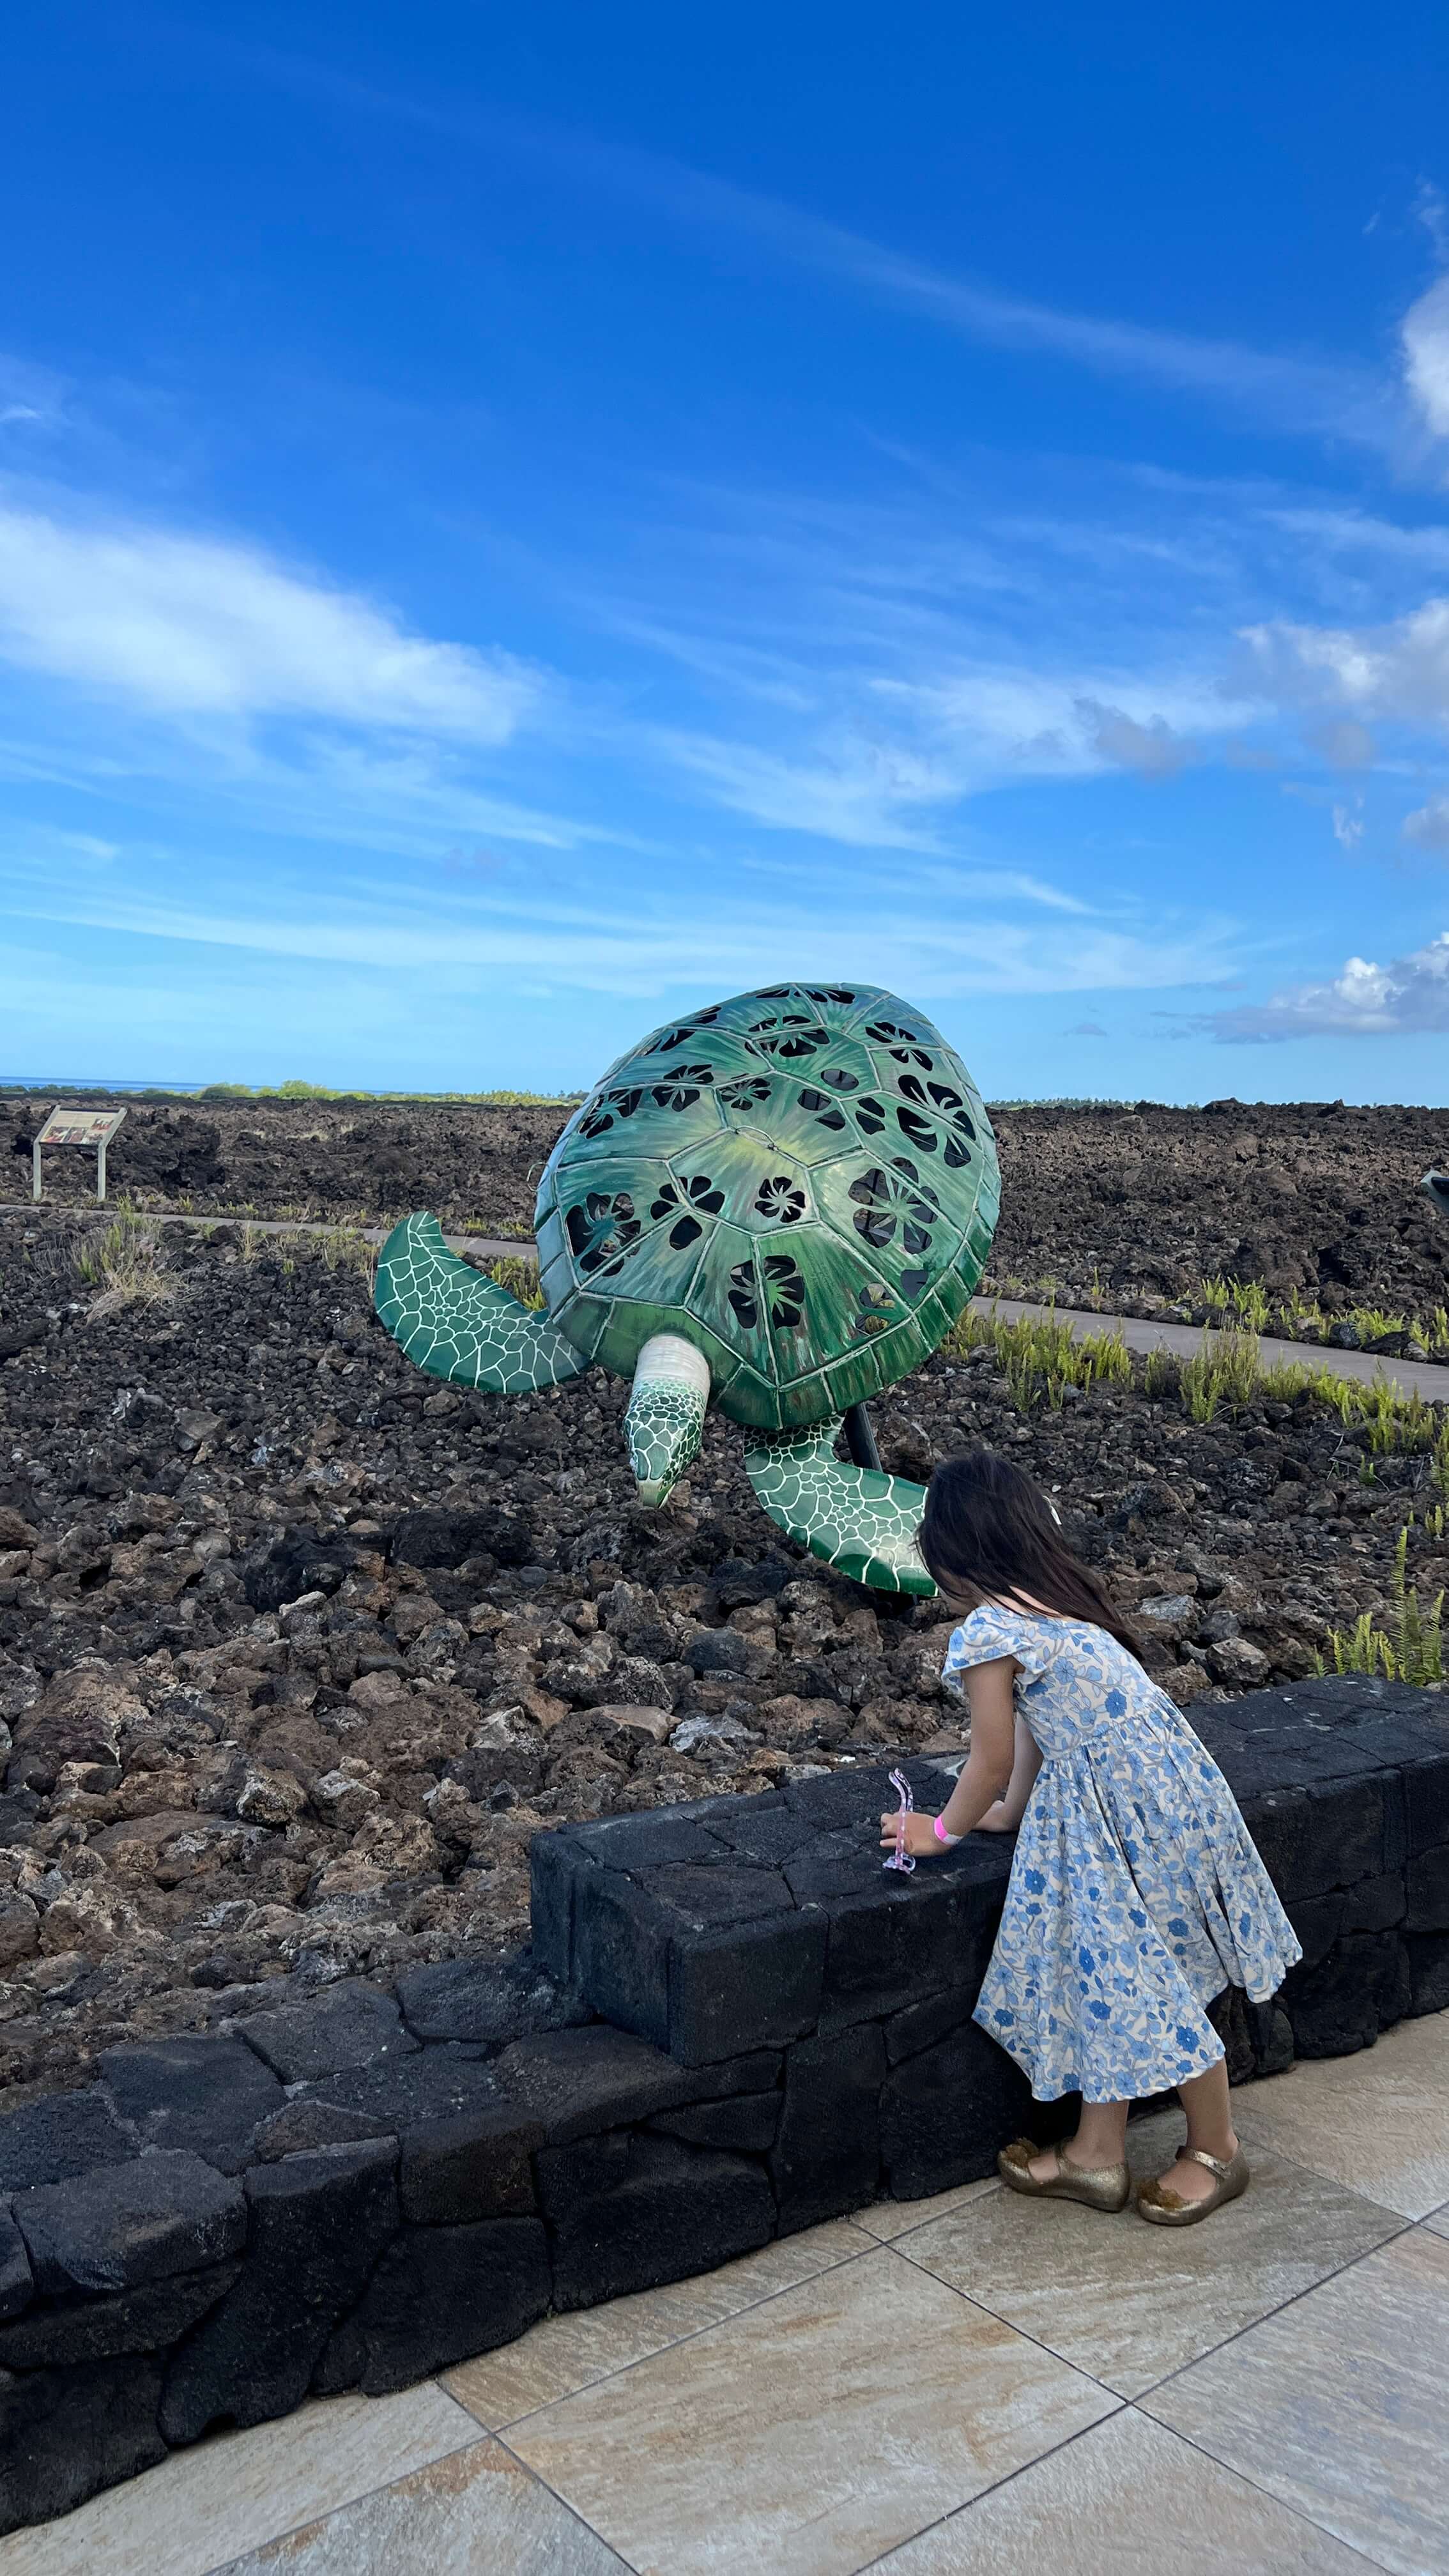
(1136, 1894)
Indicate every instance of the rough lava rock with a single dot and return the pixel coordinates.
(299, 1652)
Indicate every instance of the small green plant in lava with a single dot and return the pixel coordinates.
(1040, 1356)
(1412, 1652)
(520, 1278)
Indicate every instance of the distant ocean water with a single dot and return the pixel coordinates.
(73, 1082)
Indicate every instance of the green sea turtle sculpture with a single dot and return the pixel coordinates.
(778, 1206)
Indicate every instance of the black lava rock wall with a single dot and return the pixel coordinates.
(733, 2024)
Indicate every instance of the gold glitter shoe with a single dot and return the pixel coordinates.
(1100, 2186)
(1168, 2209)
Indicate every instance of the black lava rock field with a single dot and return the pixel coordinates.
(299, 1649)
(1312, 1199)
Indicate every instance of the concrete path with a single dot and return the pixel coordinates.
(1140, 1333)
(1145, 1333)
(494, 1247)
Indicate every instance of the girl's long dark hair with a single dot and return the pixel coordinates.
(988, 1531)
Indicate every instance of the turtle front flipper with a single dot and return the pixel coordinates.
(665, 1414)
(863, 1523)
(455, 1323)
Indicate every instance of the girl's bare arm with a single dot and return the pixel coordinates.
(1007, 1813)
(987, 1773)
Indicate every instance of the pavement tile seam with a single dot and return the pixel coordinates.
(1064, 2370)
(1402, 2227)
(540, 2481)
(1406, 2227)
(1284, 2504)
(715, 2325)
(1119, 2406)
(676, 2343)
(219, 2566)
(1118, 2400)
(881, 2566)
(307, 2521)
(862, 2218)
(485, 2441)
(1282, 2448)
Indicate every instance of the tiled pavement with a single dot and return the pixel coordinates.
(927, 2389)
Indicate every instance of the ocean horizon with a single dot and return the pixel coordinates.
(74, 1082)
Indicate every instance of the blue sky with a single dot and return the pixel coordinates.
(514, 523)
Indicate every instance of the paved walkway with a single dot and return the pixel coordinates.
(494, 1247)
(1411, 1377)
(972, 2383)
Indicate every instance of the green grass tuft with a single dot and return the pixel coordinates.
(520, 1278)
(1415, 1650)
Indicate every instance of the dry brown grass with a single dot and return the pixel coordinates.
(126, 1265)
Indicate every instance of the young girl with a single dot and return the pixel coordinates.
(1136, 1892)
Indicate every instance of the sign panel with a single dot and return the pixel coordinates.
(93, 1127)
(80, 1127)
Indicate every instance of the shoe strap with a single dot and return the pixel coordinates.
(1214, 2164)
(1084, 2173)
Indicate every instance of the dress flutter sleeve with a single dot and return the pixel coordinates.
(985, 1637)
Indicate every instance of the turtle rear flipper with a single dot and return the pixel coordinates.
(863, 1523)
(457, 1324)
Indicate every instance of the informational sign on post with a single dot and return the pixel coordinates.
(90, 1127)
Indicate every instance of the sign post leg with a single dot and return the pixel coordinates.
(101, 1171)
(35, 1170)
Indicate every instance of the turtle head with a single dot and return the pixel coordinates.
(665, 1414)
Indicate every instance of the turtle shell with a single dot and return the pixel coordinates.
(801, 1181)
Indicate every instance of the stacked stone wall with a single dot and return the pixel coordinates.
(732, 2024)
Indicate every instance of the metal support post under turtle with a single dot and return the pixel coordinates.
(778, 1206)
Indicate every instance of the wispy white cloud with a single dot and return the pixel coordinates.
(1428, 825)
(195, 626)
(31, 398)
(698, 936)
(1343, 529)
(1425, 335)
(870, 664)
(1398, 671)
(861, 793)
(1409, 997)
(892, 749)
(1315, 396)
(1344, 744)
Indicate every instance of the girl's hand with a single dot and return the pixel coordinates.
(998, 1819)
(921, 1843)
